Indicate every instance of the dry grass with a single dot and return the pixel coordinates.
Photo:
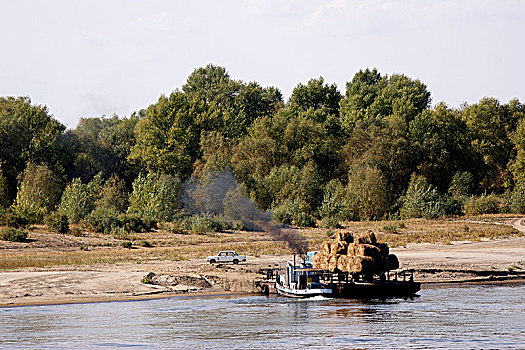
(46, 249)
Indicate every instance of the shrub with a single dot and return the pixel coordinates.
(462, 184)
(422, 200)
(390, 228)
(174, 226)
(77, 201)
(155, 197)
(367, 193)
(38, 193)
(102, 221)
(75, 231)
(201, 224)
(515, 201)
(146, 244)
(134, 223)
(113, 196)
(285, 212)
(127, 244)
(332, 206)
(56, 221)
(12, 219)
(13, 235)
(303, 220)
(484, 204)
(330, 222)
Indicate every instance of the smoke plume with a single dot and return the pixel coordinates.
(219, 194)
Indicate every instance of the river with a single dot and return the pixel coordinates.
(462, 317)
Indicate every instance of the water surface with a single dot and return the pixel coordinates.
(475, 316)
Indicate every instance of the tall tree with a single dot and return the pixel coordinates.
(28, 133)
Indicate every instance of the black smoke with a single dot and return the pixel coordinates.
(219, 194)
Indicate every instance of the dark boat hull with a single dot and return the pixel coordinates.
(375, 289)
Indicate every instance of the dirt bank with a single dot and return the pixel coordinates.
(72, 281)
(461, 261)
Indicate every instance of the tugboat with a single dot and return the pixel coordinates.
(301, 281)
(304, 281)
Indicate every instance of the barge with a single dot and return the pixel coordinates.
(303, 281)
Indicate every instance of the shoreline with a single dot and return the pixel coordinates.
(169, 295)
(499, 261)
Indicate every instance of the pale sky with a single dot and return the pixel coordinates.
(92, 58)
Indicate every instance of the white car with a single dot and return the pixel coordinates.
(226, 256)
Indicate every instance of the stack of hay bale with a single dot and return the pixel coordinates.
(356, 254)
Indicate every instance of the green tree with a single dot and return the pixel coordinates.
(77, 201)
(114, 196)
(155, 197)
(4, 197)
(367, 193)
(422, 200)
(28, 133)
(370, 96)
(102, 145)
(491, 126)
(316, 95)
(38, 193)
(166, 137)
(441, 143)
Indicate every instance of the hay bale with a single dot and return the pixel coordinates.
(342, 263)
(317, 258)
(325, 248)
(392, 262)
(332, 262)
(344, 237)
(353, 249)
(368, 250)
(321, 261)
(365, 238)
(338, 248)
(361, 264)
(383, 248)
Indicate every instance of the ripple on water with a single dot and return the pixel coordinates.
(452, 317)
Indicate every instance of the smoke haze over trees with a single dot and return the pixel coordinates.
(378, 149)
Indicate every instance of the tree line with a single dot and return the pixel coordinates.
(380, 150)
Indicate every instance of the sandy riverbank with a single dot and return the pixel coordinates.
(433, 263)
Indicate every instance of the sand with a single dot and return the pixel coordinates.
(433, 263)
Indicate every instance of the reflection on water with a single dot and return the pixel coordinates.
(442, 317)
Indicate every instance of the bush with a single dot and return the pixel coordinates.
(303, 220)
(422, 200)
(285, 212)
(38, 193)
(134, 223)
(173, 227)
(12, 219)
(367, 193)
(201, 224)
(127, 244)
(75, 231)
(109, 222)
(13, 235)
(330, 222)
(484, 204)
(102, 221)
(332, 206)
(77, 201)
(155, 197)
(462, 184)
(57, 222)
(146, 244)
(390, 228)
(515, 201)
